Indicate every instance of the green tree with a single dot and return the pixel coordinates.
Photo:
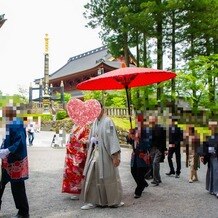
(67, 96)
(194, 82)
(16, 99)
(201, 18)
(108, 15)
(175, 30)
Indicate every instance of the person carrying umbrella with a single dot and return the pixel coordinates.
(140, 142)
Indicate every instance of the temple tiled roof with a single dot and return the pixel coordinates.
(84, 62)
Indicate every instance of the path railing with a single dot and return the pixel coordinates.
(118, 112)
(37, 108)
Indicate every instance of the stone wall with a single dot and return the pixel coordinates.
(67, 125)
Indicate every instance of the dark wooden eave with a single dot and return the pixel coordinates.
(72, 80)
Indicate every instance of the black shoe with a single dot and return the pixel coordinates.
(177, 176)
(170, 173)
(148, 177)
(155, 183)
(211, 193)
(137, 196)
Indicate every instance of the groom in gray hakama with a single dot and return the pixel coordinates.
(102, 185)
(210, 157)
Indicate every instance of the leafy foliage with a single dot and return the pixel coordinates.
(61, 114)
(46, 117)
(16, 99)
(196, 82)
(175, 34)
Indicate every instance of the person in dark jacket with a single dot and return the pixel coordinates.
(175, 138)
(209, 156)
(139, 163)
(158, 147)
(14, 161)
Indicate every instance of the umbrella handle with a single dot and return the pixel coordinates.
(128, 105)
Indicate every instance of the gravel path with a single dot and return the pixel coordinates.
(173, 198)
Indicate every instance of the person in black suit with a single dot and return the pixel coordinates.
(158, 148)
(175, 138)
(141, 147)
(209, 156)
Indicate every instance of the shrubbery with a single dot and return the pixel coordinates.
(46, 117)
(61, 114)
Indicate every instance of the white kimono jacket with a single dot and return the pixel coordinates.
(102, 184)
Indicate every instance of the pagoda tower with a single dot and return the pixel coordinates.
(46, 95)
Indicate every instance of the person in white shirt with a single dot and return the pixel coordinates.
(30, 132)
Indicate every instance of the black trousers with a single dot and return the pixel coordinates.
(30, 137)
(19, 194)
(138, 174)
(171, 151)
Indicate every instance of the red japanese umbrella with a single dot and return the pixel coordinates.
(125, 78)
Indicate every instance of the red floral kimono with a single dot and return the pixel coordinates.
(75, 160)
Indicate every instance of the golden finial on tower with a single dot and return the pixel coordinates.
(46, 43)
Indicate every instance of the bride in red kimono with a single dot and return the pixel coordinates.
(75, 158)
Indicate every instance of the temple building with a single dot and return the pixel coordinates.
(82, 67)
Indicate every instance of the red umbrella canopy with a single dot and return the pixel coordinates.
(126, 78)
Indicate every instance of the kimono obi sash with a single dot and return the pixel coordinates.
(17, 170)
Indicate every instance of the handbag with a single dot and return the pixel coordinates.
(147, 158)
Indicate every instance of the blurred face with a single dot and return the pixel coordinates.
(145, 124)
(213, 126)
(191, 130)
(8, 112)
(172, 122)
(152, 120)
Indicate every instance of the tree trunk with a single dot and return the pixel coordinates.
(173, 82)
(145, 61)
(159, 31)
(126, 50)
